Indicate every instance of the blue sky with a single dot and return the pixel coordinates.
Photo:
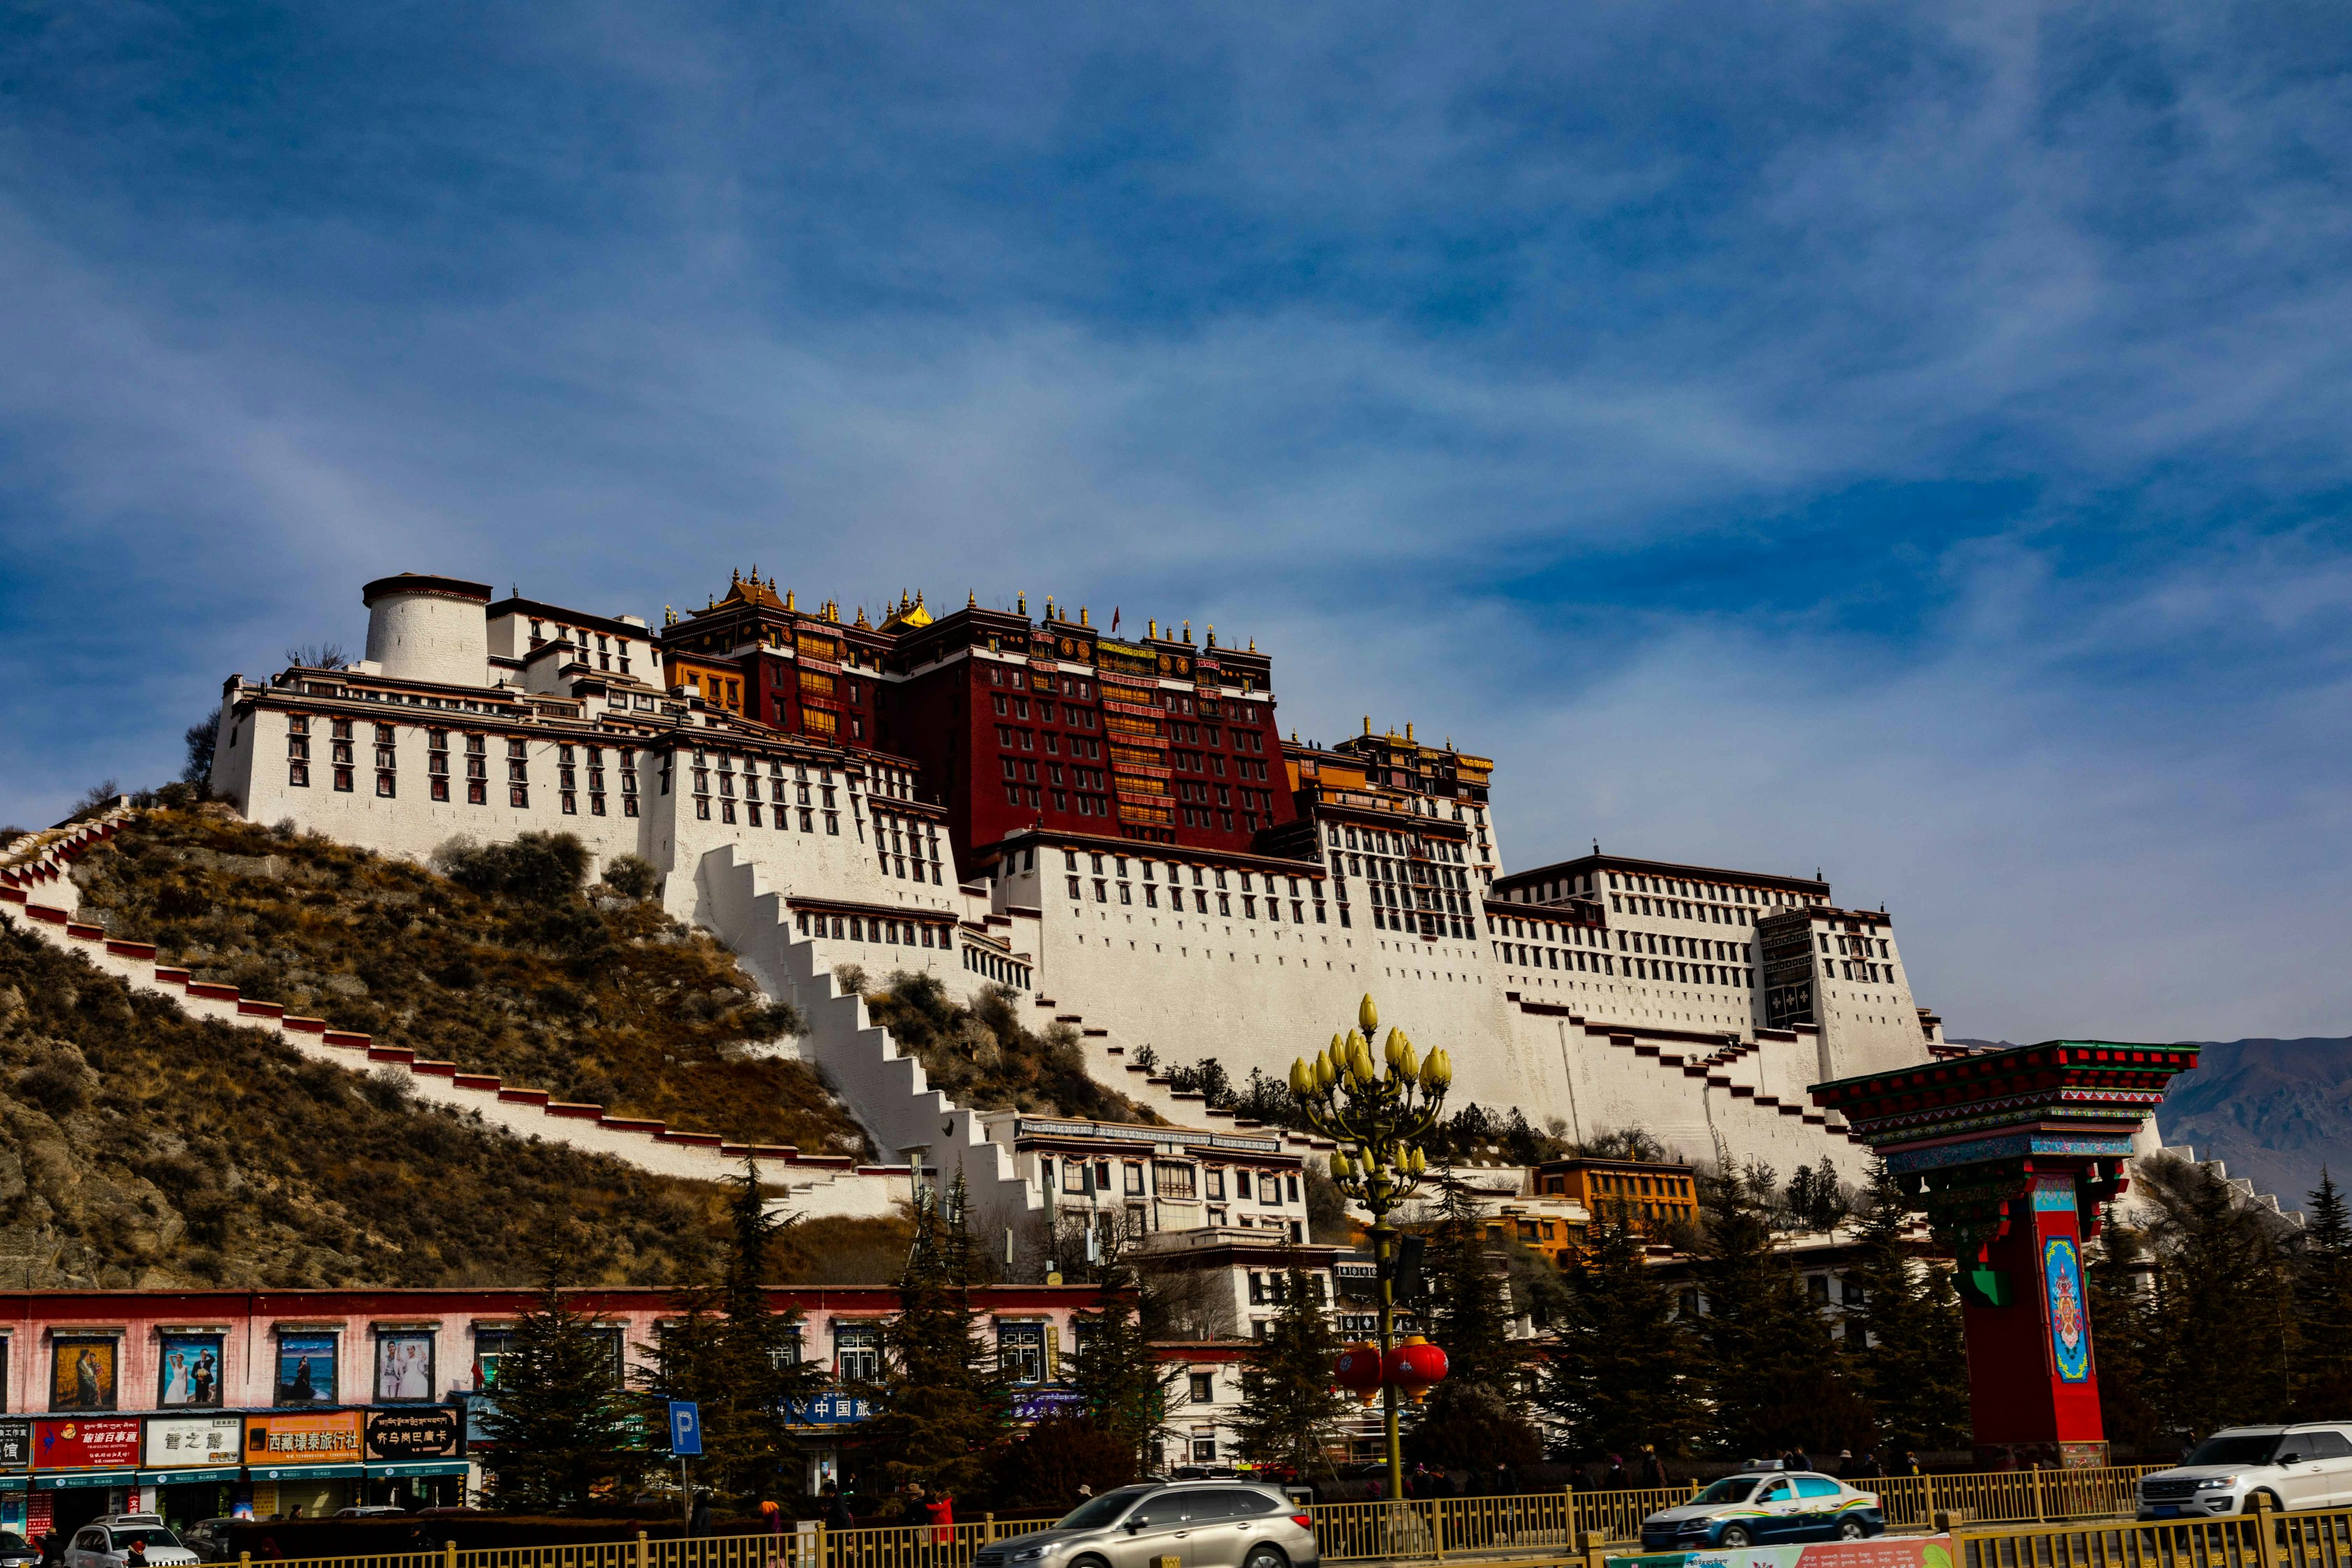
(1904, 441)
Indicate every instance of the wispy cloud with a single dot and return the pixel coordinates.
(1906, 440)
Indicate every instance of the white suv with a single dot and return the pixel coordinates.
(106, 1544)
(2304, 1465)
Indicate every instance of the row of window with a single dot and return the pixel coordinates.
(1174, 1179)
(874, 927)
(606, 649)
(996, 966)
(793, 801)
(343, 764)
(900, 842)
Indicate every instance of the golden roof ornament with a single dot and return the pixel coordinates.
(1082, 617)
(1212, 635)
(1021, 602)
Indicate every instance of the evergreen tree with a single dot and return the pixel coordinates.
(1122, 1391)
(1772, 1376)
(2116, 1279)
(1903, 1325)
(943, 1408)
(560, 1422)
(1467, 1311)
(1290, 1409)
(1471, 1419)
(2322, 1292)
(737, 1358)
(1620, 1373)
(2221, 1279)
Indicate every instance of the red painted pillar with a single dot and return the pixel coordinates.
(2033, 1389)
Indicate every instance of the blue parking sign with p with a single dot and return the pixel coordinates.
(684, 1429)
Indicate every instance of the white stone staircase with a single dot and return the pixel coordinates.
(884, 1088)
(37, 895)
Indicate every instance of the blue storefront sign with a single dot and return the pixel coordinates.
(829, 1410)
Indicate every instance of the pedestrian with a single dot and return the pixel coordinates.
(1799, 1459)
(1653, 1470)
(135, 1555)
(774, 1518)
(1846, 1463)
(1085, 1491)
(697, 1518)
(1616, 1481)
(1908, 1465)
(838, 1514)
(942, 1511)
(50, 1552)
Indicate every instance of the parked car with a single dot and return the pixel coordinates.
(106, 1543)
(1763, 1506)
(1206, 1524)
(16, 1551)
(208, 1539)
(2308, 1465)
(369, 1510)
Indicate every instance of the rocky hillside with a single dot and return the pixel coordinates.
(143, 1149)
(2273, 1111)
(503, 966)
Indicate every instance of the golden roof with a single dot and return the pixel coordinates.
(907, 614)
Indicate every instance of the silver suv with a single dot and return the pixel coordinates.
(1177, 1524)
(2305, 1466)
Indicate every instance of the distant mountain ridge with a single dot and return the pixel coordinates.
(2274, 1111)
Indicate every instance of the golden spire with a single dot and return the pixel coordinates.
(788, 600)
(1253, 648)
(1021, 602)
(1188, 631)
(1082, 617)
(1151, 628)
(1213, 634)
(971, 599)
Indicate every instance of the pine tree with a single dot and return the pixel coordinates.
(1470, 1420)
(2115, 1284)
(737, 1358)
(1290, 1409)
(2221, 1278)
(1121, 1386)
(2323, 1291)
(1903, 1325)
(561, 1423)
(1619, 1372)
(1770, 1375)
(1468, 1314)
(943, 1408)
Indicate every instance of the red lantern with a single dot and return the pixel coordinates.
(1416, 1366)
(1358, 1371)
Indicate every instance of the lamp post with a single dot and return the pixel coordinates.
(1376, 1117)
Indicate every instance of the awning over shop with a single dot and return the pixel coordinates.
(308, 1472)
(388, 1469)
(187, 1478)
(56, 1480)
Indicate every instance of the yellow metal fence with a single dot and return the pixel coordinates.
(1553, 1526)
(2261, 1540)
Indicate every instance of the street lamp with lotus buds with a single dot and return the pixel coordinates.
(1376, 1112)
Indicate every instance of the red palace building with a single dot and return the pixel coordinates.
(1014, 724)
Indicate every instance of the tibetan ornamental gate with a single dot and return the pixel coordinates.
(2013, 1154)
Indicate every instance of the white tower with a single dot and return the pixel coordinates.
(428, 629)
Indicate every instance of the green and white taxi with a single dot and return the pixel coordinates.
(1760, 1507)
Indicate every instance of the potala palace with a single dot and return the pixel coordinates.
(1114, 826)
